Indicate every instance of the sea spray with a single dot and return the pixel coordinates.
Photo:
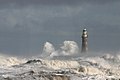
(79, 68)
(48, 49)
(68, 48)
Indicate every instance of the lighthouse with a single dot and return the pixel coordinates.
(84, 41)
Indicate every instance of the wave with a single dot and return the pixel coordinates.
(68, 48)
(48, 67)
(97, 67)
(9, 61)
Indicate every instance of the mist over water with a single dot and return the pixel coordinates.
(71, 48)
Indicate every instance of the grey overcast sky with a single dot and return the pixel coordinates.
(26, 24)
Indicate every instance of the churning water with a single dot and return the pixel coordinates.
(64, 63)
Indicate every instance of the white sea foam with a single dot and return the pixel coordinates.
(9, 61)
(48, 67)
(61, 64)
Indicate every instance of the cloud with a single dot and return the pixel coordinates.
(32, 18)
(55, 2)
(29, 22)
(44, 18)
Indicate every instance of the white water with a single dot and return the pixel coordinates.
(67, 48)
(48, 66)
(9, 61)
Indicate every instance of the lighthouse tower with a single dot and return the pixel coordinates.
(84, 41)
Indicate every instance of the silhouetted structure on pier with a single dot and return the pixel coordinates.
(84, 41)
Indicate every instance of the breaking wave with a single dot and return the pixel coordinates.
(9, 61)
(68, 48)
(48, 67)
